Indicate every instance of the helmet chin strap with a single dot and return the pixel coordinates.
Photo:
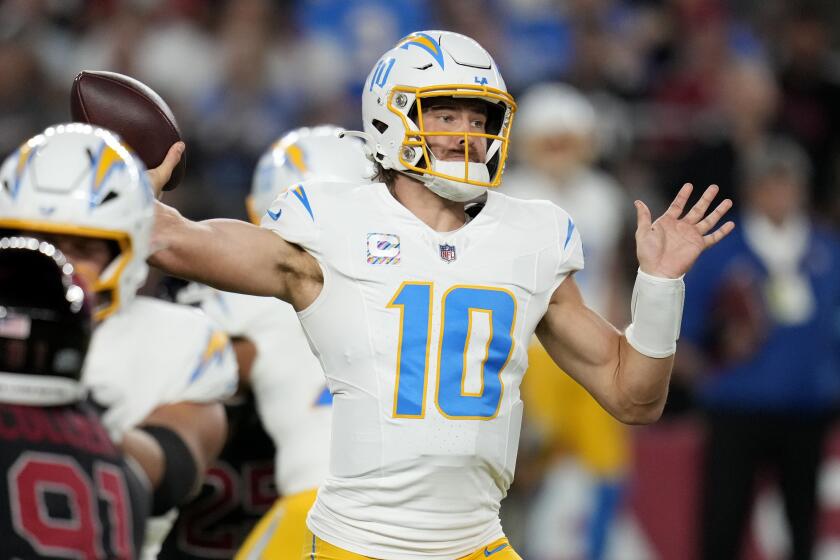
(446, 188)
(456, 190)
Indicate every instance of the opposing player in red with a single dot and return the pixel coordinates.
(67, 492)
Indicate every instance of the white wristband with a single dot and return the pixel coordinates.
(656, 308)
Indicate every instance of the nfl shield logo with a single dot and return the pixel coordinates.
(447, 252)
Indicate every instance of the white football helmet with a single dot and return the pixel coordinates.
(555, 108)
(426, 65)
(549, 112)
(74, 179)
(321, 152)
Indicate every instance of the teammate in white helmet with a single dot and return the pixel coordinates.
(420, 307)
(274, 357)
(151, 364)
(319, 152)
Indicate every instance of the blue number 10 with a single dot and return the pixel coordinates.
(460, 303)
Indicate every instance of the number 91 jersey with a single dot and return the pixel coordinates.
(67, 490)
(423, 336)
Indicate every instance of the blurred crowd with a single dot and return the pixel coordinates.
(683, 89)
(619, 99)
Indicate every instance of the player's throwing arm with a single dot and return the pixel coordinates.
(230, 255)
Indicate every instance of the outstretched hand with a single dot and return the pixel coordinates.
(161, 174)
(669, 246)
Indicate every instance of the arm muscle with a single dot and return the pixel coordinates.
(235, 256)
(630, 386)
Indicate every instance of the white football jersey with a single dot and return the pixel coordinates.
(423, 337)
(287, 381)
(152, 353)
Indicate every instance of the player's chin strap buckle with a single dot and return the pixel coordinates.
(368, 143)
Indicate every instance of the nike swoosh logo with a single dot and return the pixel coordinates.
(274, 215)
(488, 552)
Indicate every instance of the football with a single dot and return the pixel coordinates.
(131, 109)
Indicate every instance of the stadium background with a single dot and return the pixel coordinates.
(663, 75)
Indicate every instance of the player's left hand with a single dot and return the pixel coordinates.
(669, 246)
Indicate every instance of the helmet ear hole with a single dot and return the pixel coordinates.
(379, 125)
(110, 196)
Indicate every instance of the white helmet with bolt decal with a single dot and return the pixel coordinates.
(423, 66)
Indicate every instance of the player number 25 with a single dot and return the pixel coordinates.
(460, 305)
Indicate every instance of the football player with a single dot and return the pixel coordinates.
(152, 364)
(67, 492)
(420, 306)
(286, 384)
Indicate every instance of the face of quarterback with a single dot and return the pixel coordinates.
(447, 114)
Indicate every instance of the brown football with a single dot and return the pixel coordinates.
(131, 109)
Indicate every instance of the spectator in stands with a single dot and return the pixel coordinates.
(810, 87)
(743, 116)
(246, 109)
(24, 101)
(760, 335)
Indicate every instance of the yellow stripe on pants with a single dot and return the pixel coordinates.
(282, 530)
(317, 549)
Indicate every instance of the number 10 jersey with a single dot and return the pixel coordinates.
(423, 336)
